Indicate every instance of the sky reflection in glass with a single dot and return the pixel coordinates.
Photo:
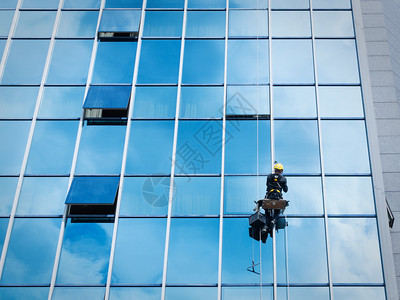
(35, 24)
(16, 293)
(205, 24)
(192, 293)
(163, 24)
(290, 23)
(155, 102)
(290, 4)
(249, 23)
(201, 102)
(66, 293)
(129, 293)
(303, 293)
(247, 100)
(6, 17)
(343, 21)
(340, 102)
(46, 4)
(206, 3)
(8, 186)
(359, 293)
(295, 102)
(124, 3)
(18, 102)
(78, 24)
(337, 4)
(165, 3)
(3, 230)
(260, 4)
(82, 4)
(240, 293)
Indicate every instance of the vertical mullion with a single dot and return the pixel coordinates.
(171, 186)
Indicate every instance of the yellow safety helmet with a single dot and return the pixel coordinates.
(278, 166)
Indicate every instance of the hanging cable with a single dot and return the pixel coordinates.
(287, 262)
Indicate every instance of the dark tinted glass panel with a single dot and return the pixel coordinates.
(16, 293)
(5, 22)
(42, 196)
(35, 24)
(150, 147)
(194, 259)
(243, 58)
(323, 21)
(340, 101)
(124, 3)
(8, 3)
(25, 67)
(70, 62)
(359, 293)
(107, 96)
(61, 102)
(203, 62)
(248, 23)
(247, 100)
(65, 293)
(260, 4)
(115, 62)
(354, 251)
(85, 260)
(201, 102)
(199, 147)
(195, 293)
(331, 4)
(290, 4)
(297, 146)
(40, 4)
(128, 293)
(206, 3)
(290, 23)
(163, 24)
(155, 103)
(52, 147)
(294, 102)
(238, 293)
(82, 4)
(120, 21)
(33, 245)
(17, 102)
(8, 186)
(165, 3)
(162, 56)
(13, 136)
(78, 24)
(139, 251)
(100, 150)
(205, 24)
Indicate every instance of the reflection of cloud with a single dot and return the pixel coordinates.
(305, 195)
(141, 293)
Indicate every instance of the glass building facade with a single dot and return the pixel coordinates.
(172, 112)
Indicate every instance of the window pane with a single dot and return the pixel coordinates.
(52, 147)
(307, 261)
(18, 102)
(8, 186)
(247, 100)
(35, 24)
(163, 24)
(206, 3)
(124, 3)
(42, 196)
(290, 4)
(204, 62)
(237, 251)
(66, 293)
(238, 293)
(192, 293)
(331, 4)
(33, 245)
(82, 4)
(260, 4)
(146, 196)
(78, 24)
(290, 24)
(100, 150)
(150, 147)
(336, 61)
(297, 146)
(32, 293)
(5, 22)
(241, 140)
(165, 3)
(85, 260)
(61, 103)
(139, 251)
(295, 102)
(345, 153)
(115, 62)
(196, 259)
(205, 24)
(199, 147)
(3, 230)
(354, 248)
(155, 103)
(292, 61)
(359, 293)
(303, 293)
(25, 67)
(162, 56)
(201, 102)
(70, 62)
(340, 102)
(40, 4)
(243, 61)
(197, 196)
(128, 293)
(2, 46)
(8, 3)
(349, 195)
(248, 23)
(13, 136)
(120, 21)
(343, 21)
(107, 96)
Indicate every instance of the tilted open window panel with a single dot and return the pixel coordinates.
(119, 24)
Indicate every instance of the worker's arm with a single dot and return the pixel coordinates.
(284, 185)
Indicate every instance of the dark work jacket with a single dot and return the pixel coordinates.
(276, 182)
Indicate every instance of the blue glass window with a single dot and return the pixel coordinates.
(18, 102)
(163, 24)
(196, 196)
(82, 4)
(124, 3)
(338, 4)
(35, 24)
(199, 147)
(115, 62)
(203, 62)
(93, 190)
(109, 96)
(247, 100)
(25, 67)
(206, 3)
(292, 61)
(345, 153)
(85, 260)
(155, 103)
(336, 61)
(8, 186)
(6, 17)
(340, 102)
(70, 62)
(46, 4)
(162, 56)
(3, 230)
(64, 293)
(260, 4)
(78, 24)
(205, 24)
(165, 3)
(14, 136)
(196, 259)
(323, 21)
(241, 142)
(15, 293)
(291, 23)
(52, 147)
(303, 293)
(359, 293)
(201, 102)
(128, 293)
(248, 23)
(61, 103)
(172, 293)
(139, 251)
(120, 21)
(2, 46)
(33, 245)
(243, 61)
(294, 102)
(150, 147)
(290, 4)
(238, 293)
(100, 150)
(42, 196)
(8, 3)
